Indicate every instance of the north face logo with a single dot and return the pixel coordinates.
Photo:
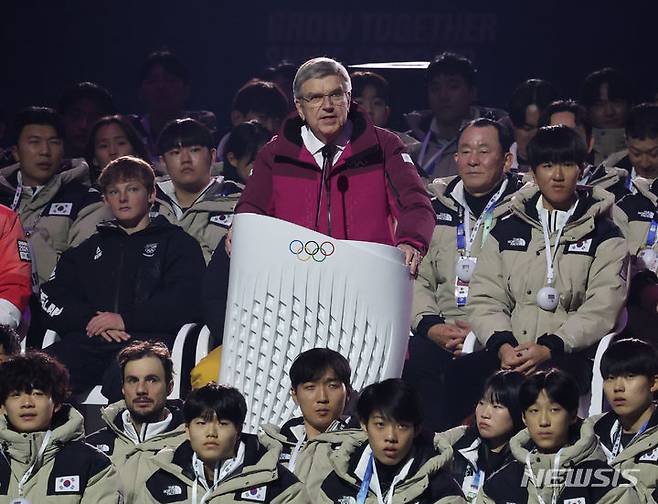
(173, 490)
(516, 242)
(445, 217)
(646, 214)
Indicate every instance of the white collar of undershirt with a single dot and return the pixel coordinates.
(314, 145)
(147, 430)
(556, 218)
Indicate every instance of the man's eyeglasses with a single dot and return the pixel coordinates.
(336, 97)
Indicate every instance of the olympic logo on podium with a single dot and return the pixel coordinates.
(311, 250)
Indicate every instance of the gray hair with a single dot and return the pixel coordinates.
(317, 68)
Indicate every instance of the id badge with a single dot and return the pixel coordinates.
(461, 292)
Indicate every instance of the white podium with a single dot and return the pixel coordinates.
(292, 289)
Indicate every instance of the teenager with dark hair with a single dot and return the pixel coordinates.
(452, 95)
(137, 278)
(112, 137)
(557, 458)
(389, 458)
(190, 197)
(143, 422)
(482, 448)
(551, 279)
(56, 207)
(219, 463)
(525, 108)
(44, 456)
(165, 88)
(80, 107)
(608, 97)
(629, 433)
(242, 145)
(320, 385)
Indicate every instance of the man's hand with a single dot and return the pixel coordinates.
(103, 321)
(229, 241)
(412, 258)
(509, 357)
(532, 355)
(114, 335)
(450, 337)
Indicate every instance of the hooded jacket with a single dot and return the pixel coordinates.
(583, 475)
(293, 432)
(639, 456)
(70, 471)
(152, 278)
(639, 210)
(434, 289)
(590, 275)
(15, 268)
(126, 455)
(467, 446)
(373, 192)
(62, 214)
(427, 480)
(260, 478)
(207, 220)
(612, 179)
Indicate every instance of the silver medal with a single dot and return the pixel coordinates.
(465, 268)
(646, 259)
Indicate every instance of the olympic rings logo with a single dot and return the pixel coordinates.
(311, 250)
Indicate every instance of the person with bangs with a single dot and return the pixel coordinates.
(389, 460)
(480, 449)
(137, 278)
(190, 197)
(550, 281)
(219, 463)
(557, 457)
(44, 456)
(110, 138)
(629, 433)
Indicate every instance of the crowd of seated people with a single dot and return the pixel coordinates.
(115, 232)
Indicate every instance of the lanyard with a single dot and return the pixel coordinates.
(371, 470)
(199, 474)
(295, 453)
(476, 483)
(466, 235)
(28, 473)
(616, 447)
(555, 467)
(365, 483)
(17, 197)
(423, 150)
(550, 257)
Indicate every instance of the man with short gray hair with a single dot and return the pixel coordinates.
(332, 170)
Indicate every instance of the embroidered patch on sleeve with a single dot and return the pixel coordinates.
(67, 484)
(255, 494)
(23, 251)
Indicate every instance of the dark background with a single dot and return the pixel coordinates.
(47, 45)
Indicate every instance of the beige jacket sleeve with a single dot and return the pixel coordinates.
(104, 488)
(604, 297)
(294, 494)
(489, 304)
(85, 224)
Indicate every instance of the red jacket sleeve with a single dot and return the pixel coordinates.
(411, 203)
(15, 264)
(257, 195)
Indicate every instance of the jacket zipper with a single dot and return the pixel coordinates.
(119, 273)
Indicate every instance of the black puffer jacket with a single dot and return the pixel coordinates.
(152, 278)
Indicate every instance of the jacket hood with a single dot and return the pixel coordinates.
(111, 415)
(606, 177)
(593, 202)
(67, 425)
(220, 189)
(72, 170)
(585, 447)
(429, 458)
(442, 189)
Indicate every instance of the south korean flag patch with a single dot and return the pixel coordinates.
(60, 209)
(224, 220)
(67, 484)
(254, 494)
(581, 247)
(23, 251)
